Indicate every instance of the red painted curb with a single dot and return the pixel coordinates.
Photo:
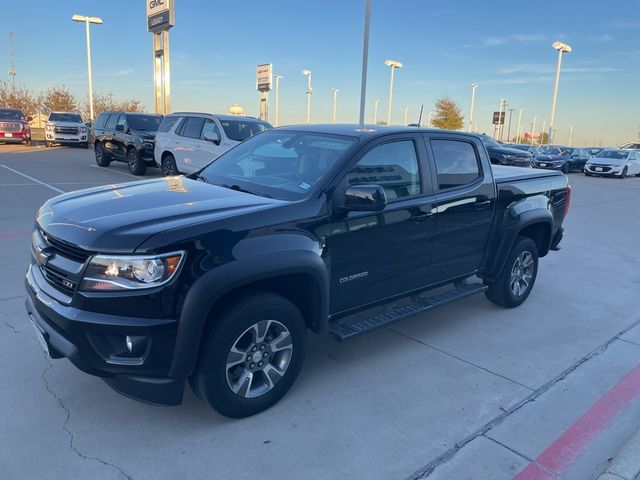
(15, 235)
(568, 447)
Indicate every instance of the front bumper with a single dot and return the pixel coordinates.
(66, 139)
(91, 342)
(604, 170)
(16, 137)
(548, 165)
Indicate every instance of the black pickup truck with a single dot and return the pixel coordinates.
(216, 277)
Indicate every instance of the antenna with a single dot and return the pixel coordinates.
(12, 68)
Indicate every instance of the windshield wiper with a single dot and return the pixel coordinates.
(238, 188)
(200, 177)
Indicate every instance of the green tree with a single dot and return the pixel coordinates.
(448, 115)
(58, 99)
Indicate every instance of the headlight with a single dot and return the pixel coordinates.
(49, 128)
(510, 157)
(83, 129)
(108, 273)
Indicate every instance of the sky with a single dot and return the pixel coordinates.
(503, 46)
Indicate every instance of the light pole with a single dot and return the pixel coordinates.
(561, 48)
(375, 111)
(473, 101)
(365, 59)
(87, 21)
(429, 121)
(509, 127)
(278, 77)
(393, 64)
(544, 124)
(335, 95)
(500, 119)
(519, 125)
(533, 130)
(406, 115)
(306, 72)
(570, 135)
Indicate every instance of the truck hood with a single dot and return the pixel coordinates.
(616, 162)
(118, 218)
(65, 124)
(143, 134)
(551, 158)
(510, 151)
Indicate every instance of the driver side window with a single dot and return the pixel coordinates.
(210, 129)
(393, 166)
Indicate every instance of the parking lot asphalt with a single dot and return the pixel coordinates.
(467, 391)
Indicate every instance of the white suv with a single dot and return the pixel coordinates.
(66, 128)
(186, 142)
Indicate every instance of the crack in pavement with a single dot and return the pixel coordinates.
(429, 468)
(15, 330)
(66, 429)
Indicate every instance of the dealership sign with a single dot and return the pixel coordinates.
(160, 15)
(498, 118)
(263, 77)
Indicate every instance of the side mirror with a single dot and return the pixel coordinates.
(213, 138)
(29, 118)
(120, 128)
(365, 198)
(88, 124)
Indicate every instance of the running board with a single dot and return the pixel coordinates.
(345, 330)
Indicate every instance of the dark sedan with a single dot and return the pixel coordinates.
(561, 158)
(501, 155)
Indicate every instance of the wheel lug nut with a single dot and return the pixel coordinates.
(252, 365)
(265, 354)
(254, 348)
(260, 364)
(261, 347)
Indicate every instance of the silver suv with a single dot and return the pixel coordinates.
(66, 128)
(186, 142)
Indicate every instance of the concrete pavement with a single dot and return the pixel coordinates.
(468, 391)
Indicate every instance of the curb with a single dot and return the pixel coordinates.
(626, 464)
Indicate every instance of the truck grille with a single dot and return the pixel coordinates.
(66, 130)
(10, 127)
(605, 168)
(66, 249)
(58, 280)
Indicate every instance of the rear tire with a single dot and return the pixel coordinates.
(251, 356)
(101, 156)
(137, 166)
(514, 284)
(169, 167)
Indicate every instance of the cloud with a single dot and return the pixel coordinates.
(120, 73)
(603, 37)
(625, 24)
(517, 38)
(544, 68)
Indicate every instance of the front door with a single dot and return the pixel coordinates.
(207, 150)
(376, 255)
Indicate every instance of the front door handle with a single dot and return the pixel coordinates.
(483, 205)
(421, 217)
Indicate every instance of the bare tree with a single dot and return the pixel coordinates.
(18, 97)
(58, 99)
(104, 102)
(448, 115)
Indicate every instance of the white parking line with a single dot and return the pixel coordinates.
(113, 171)
(55, 189)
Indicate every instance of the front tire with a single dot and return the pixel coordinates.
(135, 162)
(623, 175)
(514, 284)
(251, 356)
(101, 156)
(85, 145)
(565, 169)
(169, 167)
(48, 144)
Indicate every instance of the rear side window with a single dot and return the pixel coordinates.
(456, 163)
(168, 123)
(101, 120)
(393, 166)
(111, 123)
(192, 127)
(122, 120)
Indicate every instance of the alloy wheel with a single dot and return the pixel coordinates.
(521, 274)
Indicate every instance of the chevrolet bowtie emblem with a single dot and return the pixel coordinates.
(41, 255)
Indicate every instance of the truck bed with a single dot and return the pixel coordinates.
(504, 174)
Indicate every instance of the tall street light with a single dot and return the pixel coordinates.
(87, 21)
(429, 121)
(570, 135)
(278, 77)
(306, 72)
(519, 125)
(473, 101)
(561, 48)
(406, 115)
(375, 111)
(393, 64)
(335, 96)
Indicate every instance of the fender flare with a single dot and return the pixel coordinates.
(511, 231)
(209, 288)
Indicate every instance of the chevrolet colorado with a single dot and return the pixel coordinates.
(215, 278)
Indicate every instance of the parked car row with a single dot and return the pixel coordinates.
(614, 163)
(182, 142)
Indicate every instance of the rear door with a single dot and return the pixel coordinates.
(465, 194)
(377, 255)
(185, 152)
(120, 137)
(108, 134)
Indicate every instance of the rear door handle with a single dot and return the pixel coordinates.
(421, 217)
(483, 205)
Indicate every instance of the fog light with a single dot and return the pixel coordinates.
(135, 344)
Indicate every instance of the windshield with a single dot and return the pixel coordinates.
(240, 130)
(615, 154)
(521, 147)
(146, 123)
(550, 151)
(11, 114)
(489, 142)
(65, 117)
(278, 163)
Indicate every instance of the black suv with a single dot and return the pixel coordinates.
(126, 137)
